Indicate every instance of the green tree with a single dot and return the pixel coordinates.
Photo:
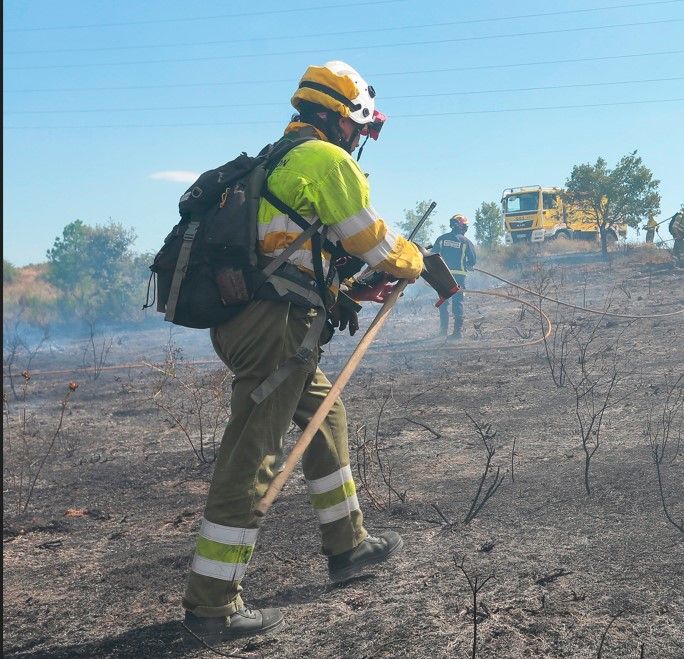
(95, 270)
(488, 224)
(9, 272)
(412, 217)
(625, 194)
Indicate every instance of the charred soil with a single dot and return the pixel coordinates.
(582, 558)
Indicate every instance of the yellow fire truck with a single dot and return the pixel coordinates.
(534, 214)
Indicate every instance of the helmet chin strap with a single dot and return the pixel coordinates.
(358, 155)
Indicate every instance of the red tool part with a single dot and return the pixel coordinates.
(455, 289)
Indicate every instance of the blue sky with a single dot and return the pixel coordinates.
(110, 107)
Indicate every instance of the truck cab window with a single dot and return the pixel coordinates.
(550, 202)
(522, 203)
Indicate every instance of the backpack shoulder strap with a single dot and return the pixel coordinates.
(275, 152)
(179, 272)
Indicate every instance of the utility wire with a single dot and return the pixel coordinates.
(384, 98)
(431, 43)
(157, 21)
(422, 115)
(300, 37)
(547, 107)
(371, 74)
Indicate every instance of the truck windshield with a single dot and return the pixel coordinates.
(522, 203)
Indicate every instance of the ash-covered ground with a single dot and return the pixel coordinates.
(548, 469)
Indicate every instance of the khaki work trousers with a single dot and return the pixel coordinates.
(253, 345)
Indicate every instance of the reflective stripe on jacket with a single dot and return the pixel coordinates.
(457, 251)
(319, 179)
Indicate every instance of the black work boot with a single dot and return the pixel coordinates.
(457, 334)
(246, 622)
(372, 550)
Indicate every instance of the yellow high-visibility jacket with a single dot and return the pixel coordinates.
(320, 180)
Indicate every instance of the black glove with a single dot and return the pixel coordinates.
(340, 317)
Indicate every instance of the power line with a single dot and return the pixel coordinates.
(544, 88)
(300, 37)
(383, 98)
(188, 19)
(431, 42)
(542, 107)
(421, 115)
(371, 74)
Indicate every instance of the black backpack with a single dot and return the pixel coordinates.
(207, 269)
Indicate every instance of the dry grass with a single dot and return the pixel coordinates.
(29, 283)
(516, 257)
(30, 296)
(646, 255)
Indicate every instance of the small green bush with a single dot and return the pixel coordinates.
(98, 275)
(9, 272)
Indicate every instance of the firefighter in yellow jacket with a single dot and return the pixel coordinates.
(318, 179)
(650, 227)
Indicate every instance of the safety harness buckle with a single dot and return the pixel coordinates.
(303, 355)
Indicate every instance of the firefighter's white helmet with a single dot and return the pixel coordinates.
(338, 86)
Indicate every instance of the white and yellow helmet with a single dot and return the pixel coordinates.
(459, 221)
(339, 87)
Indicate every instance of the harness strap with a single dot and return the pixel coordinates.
(318, 240)
(308, 346)
(277, 261)
(317, 258)
(283, 286)
(298, 219)
(298, 360)
(181, 268)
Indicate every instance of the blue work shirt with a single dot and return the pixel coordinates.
(457, 251)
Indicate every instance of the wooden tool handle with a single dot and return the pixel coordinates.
(335, 391)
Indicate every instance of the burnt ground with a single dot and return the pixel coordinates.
(96, 565)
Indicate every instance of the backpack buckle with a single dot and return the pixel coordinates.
(303, 355)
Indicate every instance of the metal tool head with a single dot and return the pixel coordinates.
(439, 277)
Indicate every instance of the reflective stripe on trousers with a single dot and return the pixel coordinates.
(223, 552)
(334, 496)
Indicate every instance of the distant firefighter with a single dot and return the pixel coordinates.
(676, 228)
(650, 227)
(458, 253)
